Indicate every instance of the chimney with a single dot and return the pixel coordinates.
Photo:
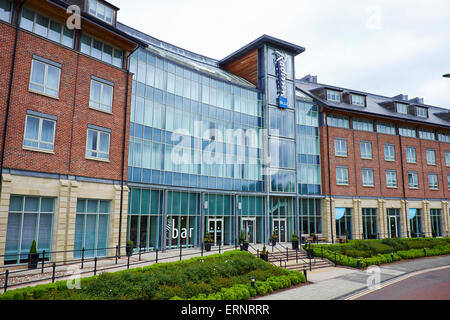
(417, 100)
(403, 97)
(309, 78)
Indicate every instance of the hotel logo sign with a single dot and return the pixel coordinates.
(280, 69)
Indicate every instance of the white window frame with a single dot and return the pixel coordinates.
(332, 95)
(41, 120)
(364, 151)
(96, 10)
(421, 112)
(363, 125)
(447, 158)
(341, 142)
(88, 151)
(415, 179)
(400, 107)
(391, 178)
(389, 156)
(431, 161)
(410, 154)
(367, 177)
(102, 84)
(44, 85)
(434, 186)
(9, 12)
(358, 100)
(342, 175)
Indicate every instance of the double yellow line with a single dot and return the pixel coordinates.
(391, 282)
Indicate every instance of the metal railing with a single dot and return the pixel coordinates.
(92, 265)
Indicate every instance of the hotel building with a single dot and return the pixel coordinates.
(109, 134)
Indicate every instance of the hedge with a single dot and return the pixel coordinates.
(376, 252)
(227, 275)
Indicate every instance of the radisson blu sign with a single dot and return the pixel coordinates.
(280, 69)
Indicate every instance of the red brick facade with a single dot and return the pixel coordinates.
(71, 109)
(355, 164)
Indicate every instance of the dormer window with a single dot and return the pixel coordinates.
(333, 95)
(101, 10)
(401, 108)
(421, 112)
(358, 100)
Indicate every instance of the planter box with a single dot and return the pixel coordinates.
(33, 259)
(208, 246)
(294, 245)
(243, 246)
(264, 256)
(129, 249)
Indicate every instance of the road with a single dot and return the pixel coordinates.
(432, 285)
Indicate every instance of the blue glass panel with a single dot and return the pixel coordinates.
(412, 213)
(140, 89)
(237, 185)
(170, 100)
(157, 135)
(156, 176)
(193, 182)
(212, 183)
(137, 174)
(138, 131)
(219, 183)
(146, 175)
(176, 179)
(340, 212)
(185, 180)
(147, 133)
(149, 93)
(203, 182)
(130, 174)
(159, 96)
(179, 102)
(131, 129)
(168, 178)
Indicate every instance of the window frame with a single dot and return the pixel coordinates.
(9, 12)
(428, 152)
(342, 143)
(416, 175)
(106, 6)
(365, 155)
(102, 84)
(425, 115)
(360, 98)
(409, 154)
(343, 181)
(99, 131)
(41, 120)
(47, 64)
(389, 175)
(333, 93)
(397, 109)
(365, 182)
(436, 185)
(386, 155)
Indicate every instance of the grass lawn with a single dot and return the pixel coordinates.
(224, 276)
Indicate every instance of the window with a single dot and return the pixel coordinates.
(366, 150)
(433, 181)
(358, 100)
(91, 228)
(281, 122)
(415, 222)
(411, 155)
(39, 133)
(340, 147)
(97, 146)
(389, 152)
(444, 137)
(343, 218)
(413, 181)
(342, 175)
(431, 157)
(386, 128)
(102, 51)
(407, 132)
(367, 177)
(369, 216)
(333, 95)
(5, 10)
(338, 121)
(436, 222)
(101, 10)
(447, 158)
(448, 181)
(421, 112)
(391, 178)
(101, 96)
(362, 125)
(46, 27)
(401, 108)
(427, 134)
(29, 218)
(45, 77)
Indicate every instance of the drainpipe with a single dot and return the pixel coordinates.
(404, 189)
(329, 178)
(11, 77)
(126, 60)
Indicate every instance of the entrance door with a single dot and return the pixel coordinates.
(393, 227)
(249, 226)
(279, 227)
(215, 229)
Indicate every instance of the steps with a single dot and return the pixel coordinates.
(296, 261)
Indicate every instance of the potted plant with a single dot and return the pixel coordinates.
(264, 254)
(33, 256)
(310, 251)
(274, 238)
(129, 247)
(294, 241)
(208, 242)
(313, 237)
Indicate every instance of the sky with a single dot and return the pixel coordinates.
(381, 47)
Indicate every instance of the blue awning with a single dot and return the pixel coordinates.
(412, 213)
(340, 212)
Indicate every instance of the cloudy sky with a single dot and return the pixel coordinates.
(381, 47)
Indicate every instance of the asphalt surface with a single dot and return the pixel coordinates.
(432, 285)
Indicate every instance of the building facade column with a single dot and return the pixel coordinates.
(60, 222)
(328, 219)
(382, 218)
(4, 211)
(404, 221)
(426, 218)
(445, 219)
(71, 219)
(115, 227)
(357, 219)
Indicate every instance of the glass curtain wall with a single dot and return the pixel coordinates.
(220, 218)
(192, 130)
(344, 222)
(393, 223)
(281, 213)
(145, 218)
(436, 227)
(251, 218)
(310, 216)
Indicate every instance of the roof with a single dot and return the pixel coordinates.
(436, 115)
(185, 57)
(264, 39)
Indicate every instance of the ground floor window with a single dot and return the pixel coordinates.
(369, 216)
(436, 227)
(251, 218)
(281, 213)
(415, 222)
(393, 223)
(344, 222)
(29, 218)
(310, 216)
(91, 228)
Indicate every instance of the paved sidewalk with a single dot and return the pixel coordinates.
(339, 283)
